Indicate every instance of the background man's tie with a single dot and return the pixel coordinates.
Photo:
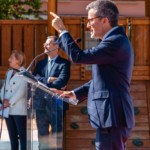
(50, 62)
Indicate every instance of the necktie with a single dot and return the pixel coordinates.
(49, 66)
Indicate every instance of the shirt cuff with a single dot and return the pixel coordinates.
(63, 32)
(74, 95)
(48, 80)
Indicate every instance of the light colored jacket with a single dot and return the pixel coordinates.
(16, 93)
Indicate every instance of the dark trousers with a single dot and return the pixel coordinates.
(17, 131)
(51, 116)
(112, 138)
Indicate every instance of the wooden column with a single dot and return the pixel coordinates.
(51, 6)
(147, 8)
(147, 14)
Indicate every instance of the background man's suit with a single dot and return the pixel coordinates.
(60, 69)
(49, 110)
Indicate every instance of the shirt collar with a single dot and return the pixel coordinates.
(109, 32)
(52, 58)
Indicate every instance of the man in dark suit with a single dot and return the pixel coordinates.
(110, 106)
(54, 72)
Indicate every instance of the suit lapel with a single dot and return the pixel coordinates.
(54, 65)
(44, 67)
(14, 77)
(52, 68)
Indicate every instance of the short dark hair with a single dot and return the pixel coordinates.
(105, 8)
(52, 37)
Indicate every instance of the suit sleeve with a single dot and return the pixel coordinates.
(38, 73)
(1, 92)
(82, 92)
(63, 77)
(107, 52)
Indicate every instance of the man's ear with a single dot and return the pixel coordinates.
(105, 20)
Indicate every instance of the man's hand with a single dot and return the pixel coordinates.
(64, 94)
(59, 92)
(52, 79)
(57, 23)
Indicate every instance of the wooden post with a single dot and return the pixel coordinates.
(147, 14)
(51, 6)
(147, 6)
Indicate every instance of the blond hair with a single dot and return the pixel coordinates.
(19, 55)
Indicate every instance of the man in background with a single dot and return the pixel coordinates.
(53, 71)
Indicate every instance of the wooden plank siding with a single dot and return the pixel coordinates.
(25, 35)
(147, 5)
(29, 37)
(78, 132)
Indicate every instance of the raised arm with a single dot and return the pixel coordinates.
(57, 23)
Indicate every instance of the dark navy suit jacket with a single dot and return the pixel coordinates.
(108, 92)
(60, 69)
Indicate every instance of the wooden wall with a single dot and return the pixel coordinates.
(78, 133)
(29, 36)
(25, 35)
